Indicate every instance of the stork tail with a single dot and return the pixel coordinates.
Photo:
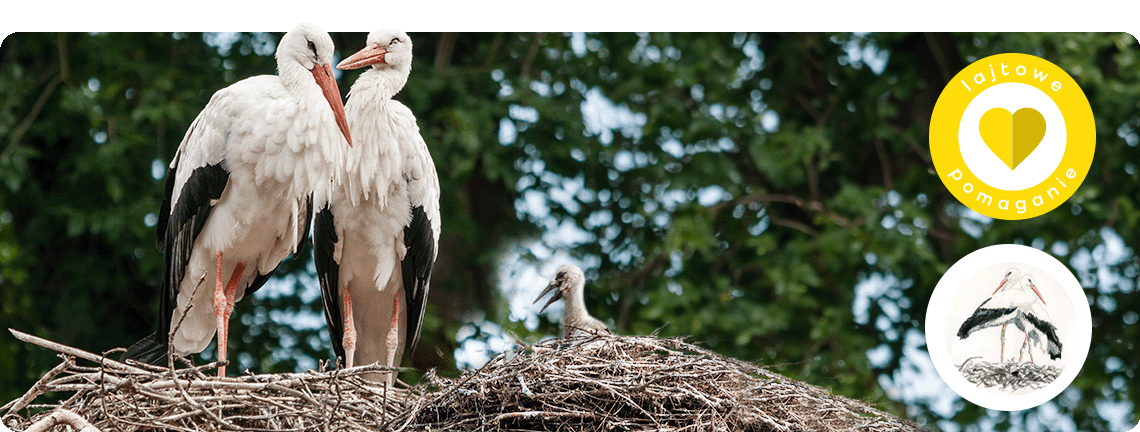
(147, 350)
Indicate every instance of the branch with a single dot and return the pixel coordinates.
(35, 112)
(62, 417)
(531, 54)
(38, 389)
(76, 352)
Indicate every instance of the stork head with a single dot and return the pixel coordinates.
(1030, 282)
(384, 49)
(311, 47)
(567, 282)
(1010, 278)
(389, 52)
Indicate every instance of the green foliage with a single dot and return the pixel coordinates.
(748, 185)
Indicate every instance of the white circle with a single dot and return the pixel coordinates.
(958, 293)
(1039, 164)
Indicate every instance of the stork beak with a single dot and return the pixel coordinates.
(368, 56)
(324, 77)
(557, 295)
(1003, 281)
(1038, 293)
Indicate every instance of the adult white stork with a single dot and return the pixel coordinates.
(240, 190)
(374, 242)
(1034, 321)
(1011, 304)
(1007, 282)
(570, 282)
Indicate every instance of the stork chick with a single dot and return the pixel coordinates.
(570, 282)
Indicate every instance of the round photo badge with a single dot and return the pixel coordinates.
(1012, 136)
(1009, 327)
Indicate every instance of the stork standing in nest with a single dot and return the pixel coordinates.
(570, 282)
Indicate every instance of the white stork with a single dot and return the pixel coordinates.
(240, 190)
(374, 242)
(1007, 282)
(570, 282)
(1034, 321)
(1013, 304)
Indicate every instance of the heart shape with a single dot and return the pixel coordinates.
(1012, 137)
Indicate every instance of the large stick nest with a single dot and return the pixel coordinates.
(583, 383)
(1008, 376)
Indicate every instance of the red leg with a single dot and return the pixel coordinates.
(224, 307)
(1030, 346)
(1022, 351)
(394, 331)
(349, 340)
(219, 315)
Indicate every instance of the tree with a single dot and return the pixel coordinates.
(732, 187)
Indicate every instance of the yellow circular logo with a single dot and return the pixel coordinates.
(1012, 136)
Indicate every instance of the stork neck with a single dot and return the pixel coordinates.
(379, 84)
(576, 304)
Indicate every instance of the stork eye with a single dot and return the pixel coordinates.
(394, 41)
(312, 47)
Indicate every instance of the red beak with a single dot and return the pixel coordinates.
(1038, 293)
(324, 77)
(999, 286)
(368, 56)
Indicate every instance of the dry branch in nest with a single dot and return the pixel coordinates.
(598, 382)
(608, 382)
(115, 396)
(1008, 376)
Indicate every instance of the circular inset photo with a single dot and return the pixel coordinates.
(1008, 327)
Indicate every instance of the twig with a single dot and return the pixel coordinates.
(37, 389)
(62, 417)
(57, 347)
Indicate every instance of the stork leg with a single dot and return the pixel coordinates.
(1003, 343)
(1026, 344)
(224, 306)
(1022, 355)
(349, 340)
(394, 331)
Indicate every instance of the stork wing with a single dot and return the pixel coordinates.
(328, 273)
(983, 318)
(416, 269)
(1050, 331)
(197, 178)
(176, 231)
(421, 235)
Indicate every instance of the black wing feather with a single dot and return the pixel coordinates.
(328, 273)
(177, 230)
(416, 269)
(1054, 342)
(982, 318)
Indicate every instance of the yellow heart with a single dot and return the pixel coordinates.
(1012, 137)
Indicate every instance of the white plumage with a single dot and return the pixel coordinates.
(375, 240)
(240, 189)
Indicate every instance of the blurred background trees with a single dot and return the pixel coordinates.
(771, 195)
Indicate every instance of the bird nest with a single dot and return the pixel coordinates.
(593, 382)
(605, 382)
(130, 397)
(1008, 376)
